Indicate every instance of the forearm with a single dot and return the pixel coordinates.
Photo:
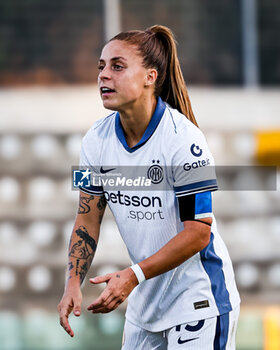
(82, 249)
(183, 246)
(84, 238)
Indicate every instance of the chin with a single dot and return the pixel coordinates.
(110, 105)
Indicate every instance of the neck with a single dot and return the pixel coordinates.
(136, 119)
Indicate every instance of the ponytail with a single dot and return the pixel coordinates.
(173, 89)
(157, 46)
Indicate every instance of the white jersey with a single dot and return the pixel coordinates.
(175, 153)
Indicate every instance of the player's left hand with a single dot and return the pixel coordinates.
(119, 285)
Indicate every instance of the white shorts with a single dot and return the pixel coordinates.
(217, 333)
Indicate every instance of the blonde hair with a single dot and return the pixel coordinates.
(157, 46)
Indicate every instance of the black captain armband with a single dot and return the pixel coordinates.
(195, 207)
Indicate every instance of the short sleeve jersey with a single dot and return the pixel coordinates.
(175, 153)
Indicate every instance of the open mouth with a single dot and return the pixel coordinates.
(106, 90)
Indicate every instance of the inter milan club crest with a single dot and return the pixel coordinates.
(155, 172)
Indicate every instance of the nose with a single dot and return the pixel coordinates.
(104, 74)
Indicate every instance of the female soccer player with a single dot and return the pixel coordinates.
(181, 288)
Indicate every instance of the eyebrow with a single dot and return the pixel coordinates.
(117, 58)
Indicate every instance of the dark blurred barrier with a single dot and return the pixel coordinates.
(208, 34)
(60, 42)
(269, 44)
(50, 41)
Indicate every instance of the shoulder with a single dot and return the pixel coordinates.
(100, 128)
(181, 128)
(185, 142)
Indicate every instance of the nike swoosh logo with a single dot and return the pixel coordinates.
(104, 171)
(180, 341)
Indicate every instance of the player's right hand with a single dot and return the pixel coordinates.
(71, 301)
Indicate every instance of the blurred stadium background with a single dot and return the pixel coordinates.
(229, 51)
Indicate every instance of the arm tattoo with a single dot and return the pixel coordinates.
(101, 203)
(84, 207)
(84, 270)
(70, 267)
(85, 246)
(82, 251)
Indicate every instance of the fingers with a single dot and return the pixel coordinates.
(100, 279)
(117, 289)
(107, 302)
(65, 308)
(65, 324)
(107, 307)
(63, 317)
(104, 299)
(77, 308)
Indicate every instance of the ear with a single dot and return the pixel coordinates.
(151, 76)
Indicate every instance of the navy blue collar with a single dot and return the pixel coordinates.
(156, 118)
